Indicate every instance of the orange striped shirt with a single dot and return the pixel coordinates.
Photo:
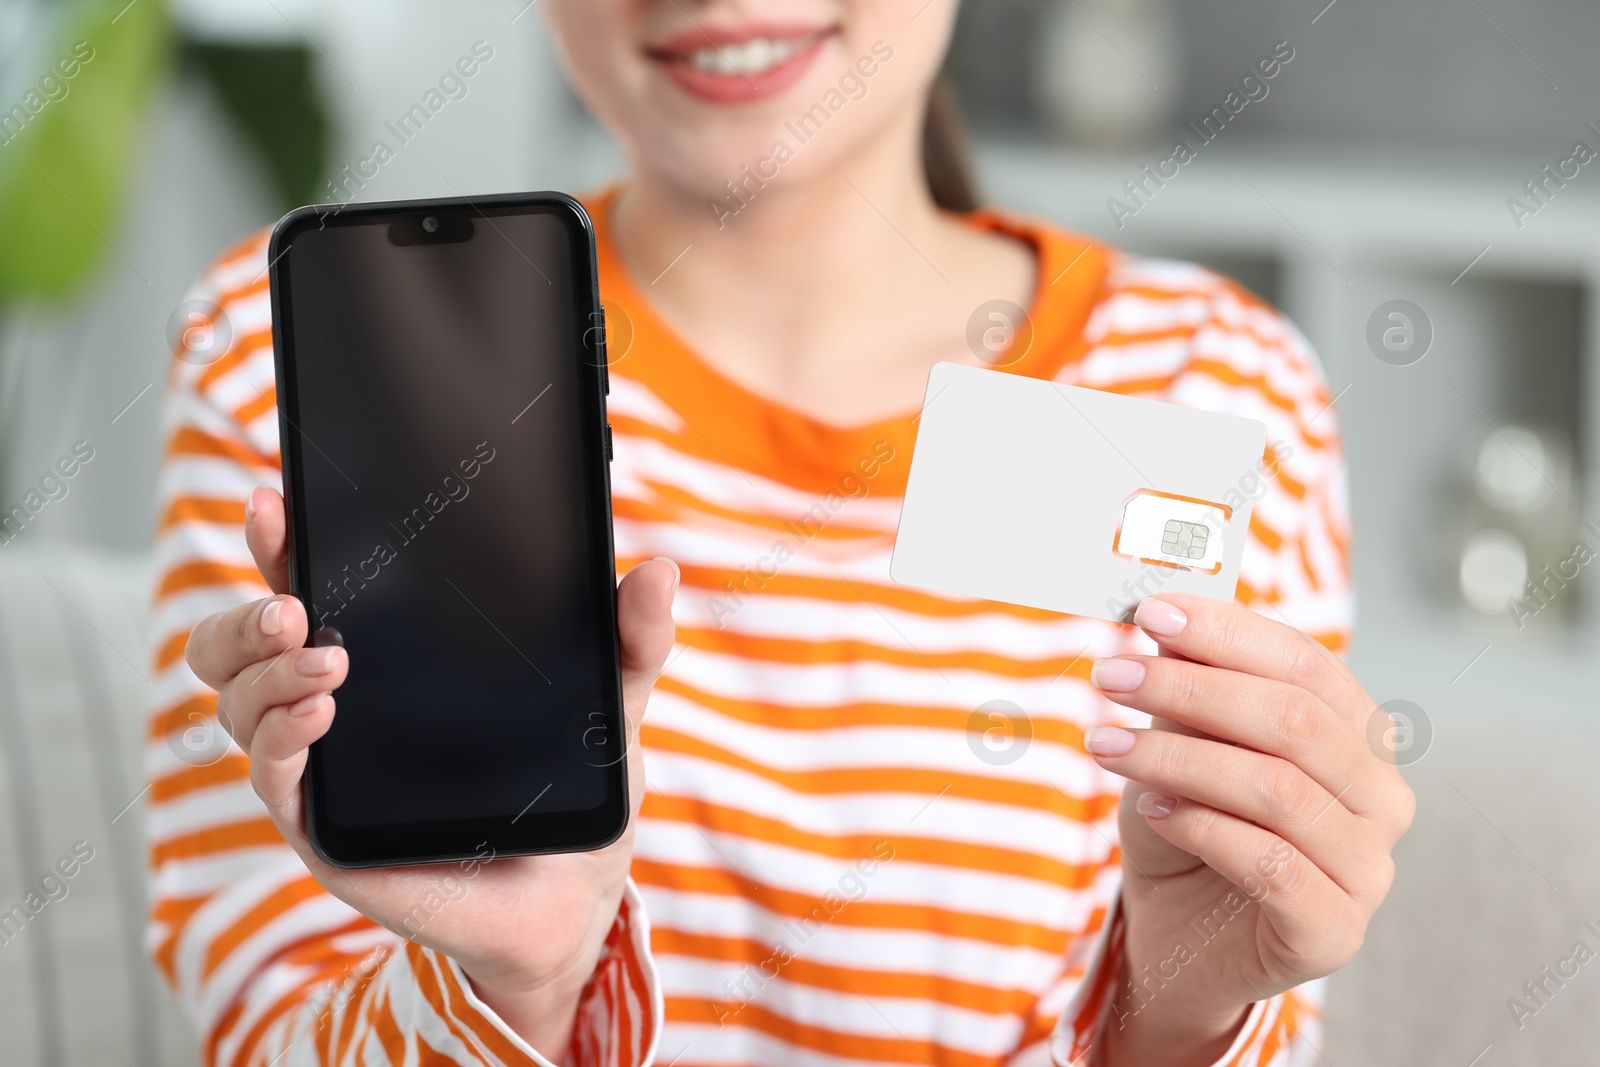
(835, 864)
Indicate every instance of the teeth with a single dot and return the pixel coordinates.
(755, 56)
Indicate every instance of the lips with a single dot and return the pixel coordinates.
(736, 66)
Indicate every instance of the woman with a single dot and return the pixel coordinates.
(842, 853)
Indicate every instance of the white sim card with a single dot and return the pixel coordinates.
(1075, 500)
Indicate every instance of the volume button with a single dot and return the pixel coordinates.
(608, 443)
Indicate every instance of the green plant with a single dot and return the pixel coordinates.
(63, 177)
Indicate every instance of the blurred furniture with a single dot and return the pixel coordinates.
(75, 985)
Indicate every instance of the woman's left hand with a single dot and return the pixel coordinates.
(1257, 823)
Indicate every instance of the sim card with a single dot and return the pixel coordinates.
(1074, 500)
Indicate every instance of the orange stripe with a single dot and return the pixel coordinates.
(919, 781)
(1296, 489)
(238, 353)
(949, 991)
(203, 573)
(1333, 527)
(292, 1000)
(1228, 374)
(202, 509)
(961, 855)
(759, 648)
(242, 249)
(213, 840)
(1306, 566)
(865, 914)
(1248, 1048)
(713, 579)
(427, 978)
(753, 1016)
(491, 1038)
(854, 716)
(173, 913)
(1264, 533)
(221, 1029)
(388, 1030)
(351, 1015)
(250, 410)
(231, 769)
(1105, 978)
(802, 526)
(171, 650)
(428, 1056)
(188, 441)
(275, 904)
(196, 711)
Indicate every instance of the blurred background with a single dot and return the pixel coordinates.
(1415, 187)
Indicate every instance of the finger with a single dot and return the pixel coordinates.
(223, 644)
(278, 753)
(1319, 924)
(266, 531)
(1269, 716)
(1270, 792)
(644, 622)
(278, 682)
(1232, 636)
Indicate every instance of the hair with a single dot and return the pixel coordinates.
(946, 154)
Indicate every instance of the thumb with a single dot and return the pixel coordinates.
(266, 531)
(644, 623)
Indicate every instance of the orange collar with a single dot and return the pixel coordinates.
(763, 436)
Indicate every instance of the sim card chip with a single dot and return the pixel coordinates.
(1172, 531)
(1187, 539)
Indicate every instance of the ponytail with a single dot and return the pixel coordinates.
(946, 155)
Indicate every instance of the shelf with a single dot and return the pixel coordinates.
(1329, 239)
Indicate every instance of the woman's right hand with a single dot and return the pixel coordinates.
(527, 931)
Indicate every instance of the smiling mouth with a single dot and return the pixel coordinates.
(728, 66)
(748, 58)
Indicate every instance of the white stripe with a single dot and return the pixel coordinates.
(859, 947)
(922, 748)
(898, 880)
(950, 818)
(833, 685)
(801, 618)
(887, 1018)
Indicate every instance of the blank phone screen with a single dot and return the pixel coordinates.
(452, 525)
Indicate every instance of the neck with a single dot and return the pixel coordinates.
(833, 290)
(809, 233)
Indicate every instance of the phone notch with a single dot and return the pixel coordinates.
(433, 228)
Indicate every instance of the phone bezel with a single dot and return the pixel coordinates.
(532, 832)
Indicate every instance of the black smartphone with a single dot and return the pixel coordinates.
(441, 378)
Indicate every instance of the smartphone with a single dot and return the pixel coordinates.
(441, 377)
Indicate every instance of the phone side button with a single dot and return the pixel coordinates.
(608, 442)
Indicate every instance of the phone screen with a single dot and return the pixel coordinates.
(451, 528)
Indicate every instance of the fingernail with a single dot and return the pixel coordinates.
(1159, 617)
(677, 575)
(1116, 675)
(272, 618)
(1108, 741)
(1155, 805)
(316, 661)
(250, 506)
(306, 705)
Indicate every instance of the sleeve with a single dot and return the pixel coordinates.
(1247, 359)
(272, 968)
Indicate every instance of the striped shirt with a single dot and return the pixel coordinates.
(845, 854)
